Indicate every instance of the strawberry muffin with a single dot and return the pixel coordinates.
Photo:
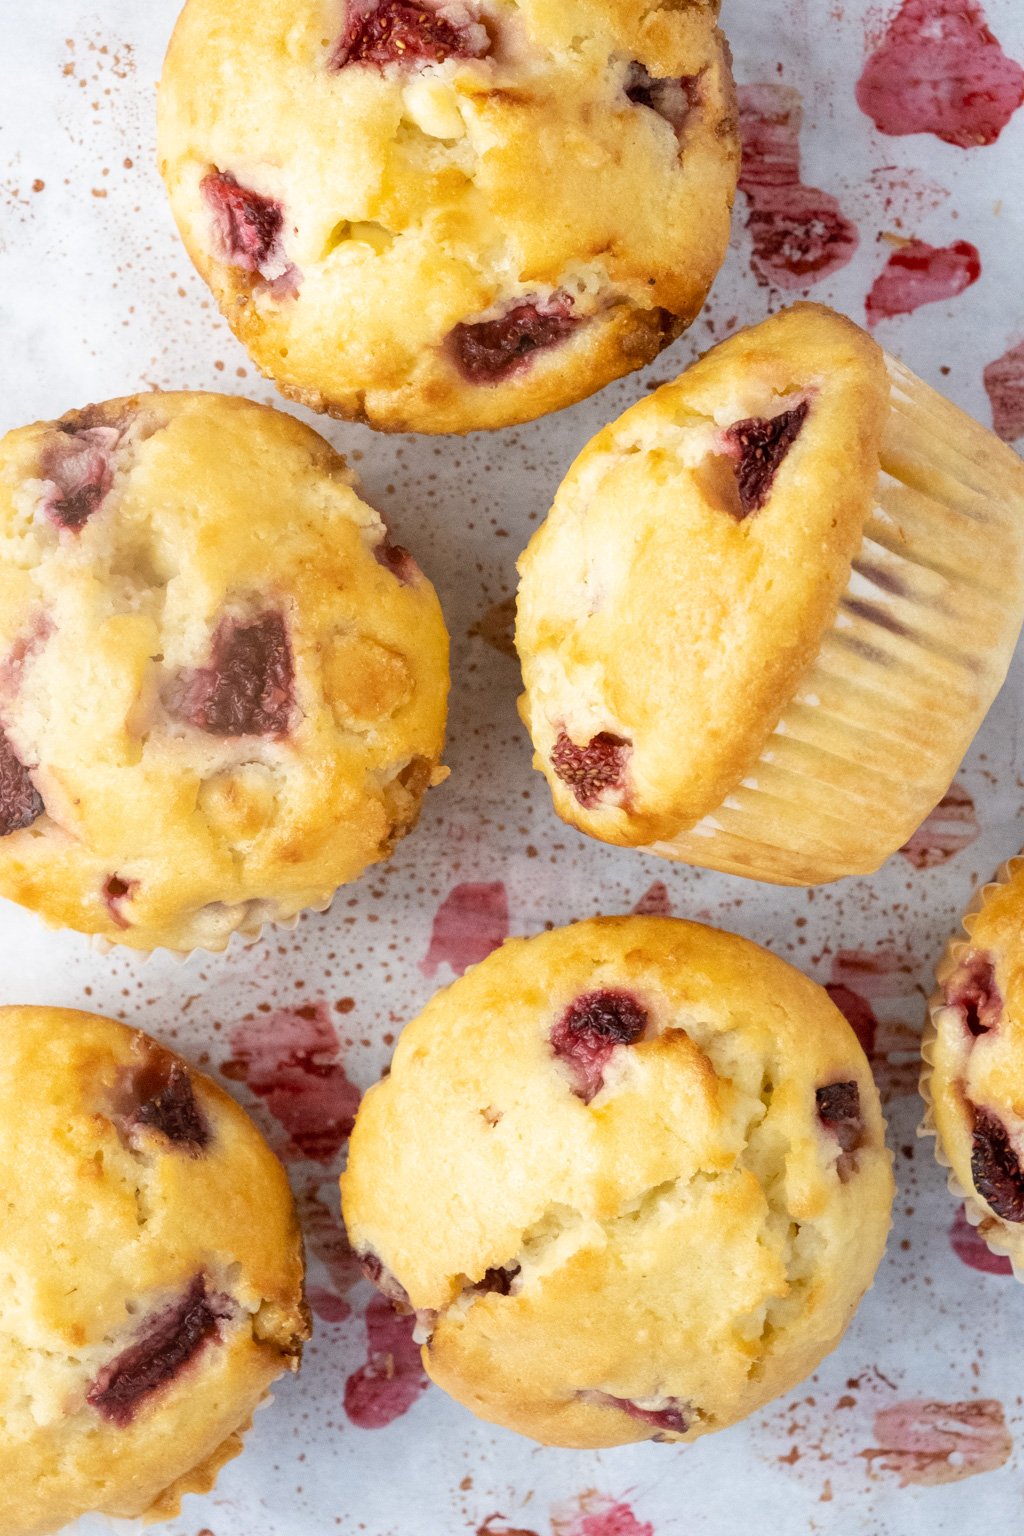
(973, 1076)
(222, 687)
(771, 606)
(631, 1176)
(455, 213)
(153, 1273)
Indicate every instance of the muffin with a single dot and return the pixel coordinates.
(153, 1273)
(631, 1175)
(771, 606)
(222, 687)
(973, 1075)
(452, 214)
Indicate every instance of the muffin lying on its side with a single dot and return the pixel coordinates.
(632, 1177)
(222, 689)
(153, 1273)
(770, 607)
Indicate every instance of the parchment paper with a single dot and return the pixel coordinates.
(913, 1425)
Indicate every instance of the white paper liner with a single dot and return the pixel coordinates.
(920, 646)
(999, 1236)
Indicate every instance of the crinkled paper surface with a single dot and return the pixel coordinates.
(907, 214)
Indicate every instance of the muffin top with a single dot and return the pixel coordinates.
(222, 689)
(444, 216)
(632, 1176)
(693, 559)
(152, 1270)
(976, 1082)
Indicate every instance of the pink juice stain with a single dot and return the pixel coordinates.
(877, 992)
(490, 1529)
(327, 1305)
(470, 923)
(947, 831)
(857, 1012)
(917, 273)
(971, 1249)
(291, 1060)
(1004, 385)
(800, 234)
(938, 69)
(392, 1378)
(873, 972)
(599, 1515)
(326, 1240)
(655, 902)
(927, 1443)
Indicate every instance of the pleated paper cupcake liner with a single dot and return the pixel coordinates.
(924, 634)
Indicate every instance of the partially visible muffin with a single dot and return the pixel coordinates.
(770, 607)
(152, 1273)
(222, 688)
(973, 1074)
(632, 1177)
(444, 216)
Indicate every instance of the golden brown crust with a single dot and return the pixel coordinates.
(111, 1221)
(618, 342)
(418, 200)
(672, 622)
(204, 832)
(685, 1235)
(201, 1478)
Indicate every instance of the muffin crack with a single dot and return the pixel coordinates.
(510, 1275)
(801, 1242)
(553, 1227)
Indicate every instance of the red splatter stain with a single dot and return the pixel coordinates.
(490, 1529)
(971, 1250)
(905, 193)
(470, 923)
(800, 234)
(938, 69)
(328, 1305)
(393, 1377)
(857, 1012)
(326, 1240)
(1004, 385)
(290, 1059)
(878, 993)
(655, 901)
(929, 1443)
(917, 274)
(326, 1236)
(951, 827)
(873, 972)
(598, 1515)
